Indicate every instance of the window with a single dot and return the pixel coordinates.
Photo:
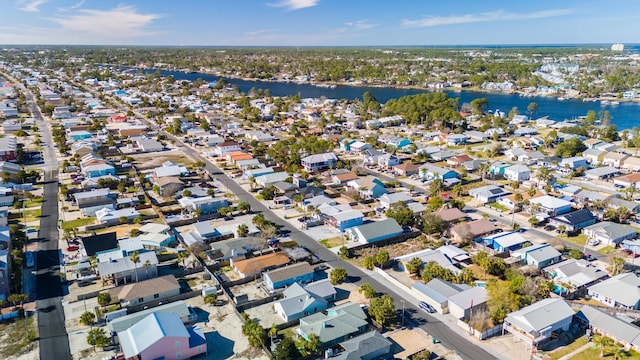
(179, 355)
(140, 300)
(178, 343)
(199, 348)
(155, 296)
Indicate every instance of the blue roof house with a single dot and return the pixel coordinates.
(98, 170)
(504, 241)
(282, 277)
(540, 256)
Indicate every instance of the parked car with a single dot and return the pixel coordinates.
(549, 228)
(426, 307)
(594, 242)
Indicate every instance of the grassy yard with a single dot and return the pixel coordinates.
(34, 202)
(69, 225)
(579, 239)
(18, 336)
(593, 353)
(607, 250)
(332, 242)
(558, 353)
(498, 207)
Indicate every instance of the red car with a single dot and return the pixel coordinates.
(73, 248)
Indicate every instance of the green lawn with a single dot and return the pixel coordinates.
(593, 353)
(34, 202)
(607, 250)
(333, 242)
(557, 354)
(498, 207)
(579, 239)
(69, 225)
(34, 213)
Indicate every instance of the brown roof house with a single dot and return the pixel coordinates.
(474, 229)
(449, 215)
(256, 265)
(341, 179)
(406, 169)
(168, 185)
(147, 291)
(458, 160)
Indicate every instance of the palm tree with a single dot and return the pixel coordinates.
(135, 259)
(146, 265)
(273, 331)
(182, 256)
(562, 229)
(603, 342)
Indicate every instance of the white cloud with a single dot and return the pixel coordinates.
(295, 4)
(72, 7)
(122, 22)
(499, 15)
(32, 6)
(360, 25)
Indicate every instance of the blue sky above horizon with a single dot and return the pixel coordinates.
(317, 22)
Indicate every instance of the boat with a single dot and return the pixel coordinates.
(604, 102)
(614, 103)
(562, 98)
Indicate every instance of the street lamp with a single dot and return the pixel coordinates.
(402, 301)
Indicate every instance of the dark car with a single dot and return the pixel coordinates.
(426, 307)
(549, 228)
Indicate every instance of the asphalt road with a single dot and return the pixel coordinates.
(54, 342)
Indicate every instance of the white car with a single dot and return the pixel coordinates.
(594, 242)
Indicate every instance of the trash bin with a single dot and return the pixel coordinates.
(434, 340)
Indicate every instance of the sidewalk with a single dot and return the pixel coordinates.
(577, 351)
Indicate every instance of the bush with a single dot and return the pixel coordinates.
(338, 275)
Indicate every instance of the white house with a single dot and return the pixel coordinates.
(535, 323)
(517, 173)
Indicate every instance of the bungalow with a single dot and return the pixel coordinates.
(610, 233)
(450, 215)
(458, 160)
(374, 231)
(631, 164)
(116, 266)
(301, 272)
(550, 205)
(154, 290)
(467, 302)
(388, 200)
(205, 205)
(591, 143)
(448, 256)
(145, 144)
(577, 273)
(235, 156)
(342, 179)
(614, 159)
(319, 162)
(602, 173)
(94, 197)
(265, 180)
(97, 170)
(504, 241)
(162, 336)
(622, 291)
(475, 228)
(629, 180)
(406, 169)
(473, 165)
(368, 346)
(620, 331)
(368, 187)
(170, 169)
(387, 160)
(536, 323)
(488, 193)
(477, 136)
(572, 163)
(300, 301)
(340, 217)
(574, 221)
(437, 293)
(540, 256)
(594, 156)
(338, 324)
(168, 186)
(517, 173)
(430, 172)
(525, 131)
(616, 203)
(256, 265)
(497, 168)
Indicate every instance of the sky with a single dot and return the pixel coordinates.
(318, 22)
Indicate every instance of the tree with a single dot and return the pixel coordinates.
(571, 147)
(617, 265)
(382, 257)
(243, 230)
(135, 259)
(210, 298)
(286, 350)
(98, 337)
(269, 192)
(254, 333)
(401, 213)
(123, 219)
(6, 177)
(562, 229)
(244, 207)
(603, 342)
(479, 105)
(369, 262)
(367, 290)
(313, 344)
(432, 224)
(104, 299)
(382, 309)
(534, 221)
(87, 318)
(463, 232)
(414, 266)
(273, 331)
(338, 275)
(182, 256)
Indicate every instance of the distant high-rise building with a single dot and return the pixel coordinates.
(617, 47)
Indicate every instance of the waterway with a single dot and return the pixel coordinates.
(625, 115)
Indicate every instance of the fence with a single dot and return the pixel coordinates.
(182, 296)
(481, 335)
(254, 303)
(394, 240)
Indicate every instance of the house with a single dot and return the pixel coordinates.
(450, 215)
(337, 324)
(572, 163)
(319, 162)
(168, 185)
(456, 139)
(265, 180)
(442, 155)
(620, 331)
(388, 200)
(387, 160)
(110, 216)
(574, 221)
(448, 256)
(8, 148)
(540, 256)
(622, 290)
(301, 272)
(179, 308)
(97, 170)
(577, 273)
(368, 187)
(602, 173)
(477, 136)
(341, 217)
(466, 302)
(430, 172)
(145, 144)
(631, 164)
(488, 193)
(550, 205)
(94, 197)
(374, 231)
(536, 323)
(610, 233)
(205, 205)
(614, 159)
(437, 293)
(341, 179)
(368, 346)
(228, 146)
(254, 266)
(117, 267)
(616, 203)
(594, 156)
(406, 169)
(504, 241)
(629, 180)
(525, 131)
(475, 228)
(170, 169)
(458, 160)
(300, 301)
(154, 290)
(517, 173)
(162, 336)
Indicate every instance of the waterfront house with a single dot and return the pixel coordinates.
(622, 290)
